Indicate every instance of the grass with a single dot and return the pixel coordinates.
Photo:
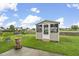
(4, 46)
(68, 45)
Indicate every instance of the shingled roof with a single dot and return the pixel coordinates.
(49, 21)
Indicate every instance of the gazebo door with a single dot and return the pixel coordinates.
(46, 31)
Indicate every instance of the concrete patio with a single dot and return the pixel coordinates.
(28, 52)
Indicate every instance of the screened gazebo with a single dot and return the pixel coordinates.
(47, 30)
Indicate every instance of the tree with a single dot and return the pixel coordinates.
(33, 29)
(23, 31)
(74, 27)
(12, 28)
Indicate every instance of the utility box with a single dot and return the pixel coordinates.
(47, 30)
(18, 44)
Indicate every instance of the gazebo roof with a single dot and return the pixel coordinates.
(48, 21)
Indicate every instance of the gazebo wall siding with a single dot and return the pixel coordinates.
(39, 35)
(54, 37)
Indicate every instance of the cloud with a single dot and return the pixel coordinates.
(35, 10)
(29, 21)
(3, 17)
(15, 15)
(61, 20)
(75, 5)
(1, 24)
(68, 5)
(77, 23)
(20, 20)
(11, 23)
(4, 6)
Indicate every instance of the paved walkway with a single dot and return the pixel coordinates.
(28, 52)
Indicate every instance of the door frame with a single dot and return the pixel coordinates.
(46, 36)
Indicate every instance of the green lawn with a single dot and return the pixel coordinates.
(5, 46)
(68, 45)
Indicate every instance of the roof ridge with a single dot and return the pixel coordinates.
(49, 21)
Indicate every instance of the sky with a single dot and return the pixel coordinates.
(28, 14)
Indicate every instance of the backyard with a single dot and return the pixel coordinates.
(68, 45)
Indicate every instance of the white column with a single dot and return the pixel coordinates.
(49, 30)
(36, 31)
(58, 32)
(42, 30)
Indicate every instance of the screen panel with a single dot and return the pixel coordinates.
(53, 28)
(45, 29)
(39, 28)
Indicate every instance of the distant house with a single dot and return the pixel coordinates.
(18, 28)
(1, 29)
(47, 30)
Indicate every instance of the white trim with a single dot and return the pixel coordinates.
(49, 32)
(58, 32)
(36, 32)
(45, 36)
